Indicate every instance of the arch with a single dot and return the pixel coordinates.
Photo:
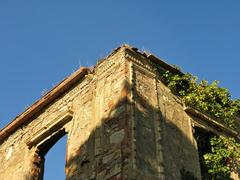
(43, 140)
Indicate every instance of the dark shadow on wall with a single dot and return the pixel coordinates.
(107, 154)
(38, 161)
(90, 161)
(202, 137)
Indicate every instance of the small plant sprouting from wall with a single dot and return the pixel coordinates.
(224, 157)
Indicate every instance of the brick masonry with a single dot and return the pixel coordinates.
(121, 122)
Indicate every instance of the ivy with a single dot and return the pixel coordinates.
(215, 101)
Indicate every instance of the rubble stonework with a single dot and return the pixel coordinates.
(121, 122)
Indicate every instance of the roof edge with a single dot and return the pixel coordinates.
(53, 94)
(154, 59)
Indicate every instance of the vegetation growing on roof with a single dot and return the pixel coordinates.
(208, 98)
(215, 101)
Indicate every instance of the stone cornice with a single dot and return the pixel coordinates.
(139, 58)
(103, 67)
(213, 123)
(43, 102)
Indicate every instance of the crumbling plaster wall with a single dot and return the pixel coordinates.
(86, 100)
(125, 125)
(177, 136)
(165, 145)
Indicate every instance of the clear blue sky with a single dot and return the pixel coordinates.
(41, 42)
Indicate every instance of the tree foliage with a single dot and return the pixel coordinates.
(224, 157)
(208, 98)
(215, 101)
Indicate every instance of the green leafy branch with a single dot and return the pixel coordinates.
(224, 158)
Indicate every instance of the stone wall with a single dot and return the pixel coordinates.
(165, 146)
(96, 125)
(121, 122)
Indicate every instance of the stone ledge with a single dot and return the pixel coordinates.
(50, 128)
(211, 122)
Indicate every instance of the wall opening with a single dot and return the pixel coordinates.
(50, 158)
(202, 137)
(55, 161)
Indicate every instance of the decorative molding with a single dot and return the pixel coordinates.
(108, 72)
(138, 61)
(132, 118)
(145, 72)
(82, 86)
(158, 131)
(50, 128)
(105, 66)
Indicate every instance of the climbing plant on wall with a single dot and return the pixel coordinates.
(215, 101)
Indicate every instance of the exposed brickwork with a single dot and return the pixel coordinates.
(121, 122)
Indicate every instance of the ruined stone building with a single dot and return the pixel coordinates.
(121, 122)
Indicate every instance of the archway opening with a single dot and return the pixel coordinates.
(202, 137)
(50, 158)
(55, 161)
